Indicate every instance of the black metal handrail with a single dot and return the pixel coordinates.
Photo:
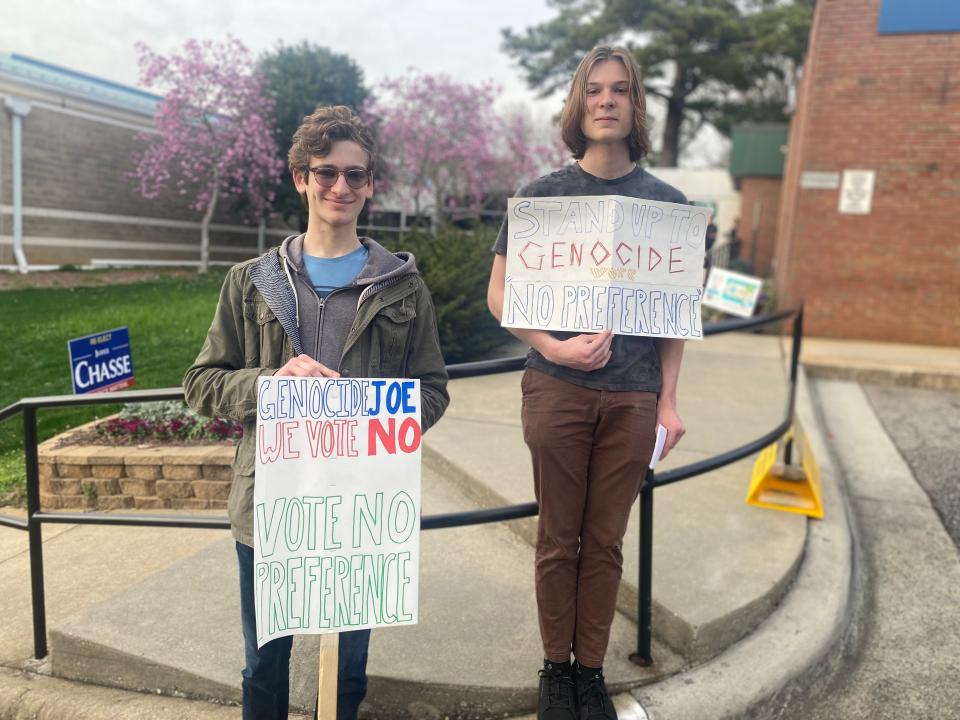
(36, 518)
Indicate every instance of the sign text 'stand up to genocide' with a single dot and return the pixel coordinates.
(594, 263)
(336, 505)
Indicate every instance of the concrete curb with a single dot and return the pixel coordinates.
(791, 647)
(886, 375)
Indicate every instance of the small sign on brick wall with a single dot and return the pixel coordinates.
(856, 192)
(811, 180)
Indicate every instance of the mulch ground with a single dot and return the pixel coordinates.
(92, 437)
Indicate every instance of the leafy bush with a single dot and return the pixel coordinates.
(456, 267)
(167, 421)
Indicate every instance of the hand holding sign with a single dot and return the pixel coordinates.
(305, 366)
(583, 352)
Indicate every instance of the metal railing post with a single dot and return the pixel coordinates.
(34, 532)
(643, 655)
(795, 350)
(794, 373)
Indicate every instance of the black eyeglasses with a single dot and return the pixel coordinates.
(327, 176)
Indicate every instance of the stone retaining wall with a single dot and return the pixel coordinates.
(98, 477)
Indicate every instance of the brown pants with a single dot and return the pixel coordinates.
(590, 452)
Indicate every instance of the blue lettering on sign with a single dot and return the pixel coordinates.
(101, 362)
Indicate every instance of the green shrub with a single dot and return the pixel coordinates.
(456, 267)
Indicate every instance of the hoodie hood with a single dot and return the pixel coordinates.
(382, 265)
(285, 287)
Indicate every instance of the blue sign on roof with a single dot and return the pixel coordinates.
(919, 16)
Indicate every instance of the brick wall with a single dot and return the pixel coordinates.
(891, 104)
(117, 478)
(760, 198)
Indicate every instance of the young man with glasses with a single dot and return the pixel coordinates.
(591, 403)
(326, 303)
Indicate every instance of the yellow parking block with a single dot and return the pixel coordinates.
(792, 488)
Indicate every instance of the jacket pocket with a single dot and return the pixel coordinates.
(263, 335)
(244, 457)
(390, 338)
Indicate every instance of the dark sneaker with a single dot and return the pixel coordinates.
(592, 695)
(557, 694)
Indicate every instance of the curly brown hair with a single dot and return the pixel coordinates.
(571, 118)
(321, 129)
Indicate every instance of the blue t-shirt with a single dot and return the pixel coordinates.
(328, 274)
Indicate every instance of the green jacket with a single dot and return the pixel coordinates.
(384, 322)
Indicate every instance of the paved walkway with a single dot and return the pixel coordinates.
(156, 609)
(901, 658)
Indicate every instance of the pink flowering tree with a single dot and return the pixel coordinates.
(526, 151)
(445, 145)
(214, 139)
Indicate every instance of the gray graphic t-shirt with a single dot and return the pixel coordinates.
(635, 363)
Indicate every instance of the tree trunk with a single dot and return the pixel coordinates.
(205, 225)
(670, 152)
(438, 216)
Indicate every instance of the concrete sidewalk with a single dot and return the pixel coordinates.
(155, 609)
(922, 366)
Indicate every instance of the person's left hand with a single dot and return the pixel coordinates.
(668, 417)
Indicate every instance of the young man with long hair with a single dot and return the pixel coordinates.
(326, 303)
(591, 403)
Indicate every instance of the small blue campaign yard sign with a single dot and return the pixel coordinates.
(101, 362)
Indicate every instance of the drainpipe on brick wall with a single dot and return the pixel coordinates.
(18, 110)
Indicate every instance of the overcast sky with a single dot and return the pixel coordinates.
(385, 37)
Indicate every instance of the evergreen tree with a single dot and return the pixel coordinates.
(298, 78)
(710, 61)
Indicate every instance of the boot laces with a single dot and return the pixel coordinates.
(594, 695)
(559, 688)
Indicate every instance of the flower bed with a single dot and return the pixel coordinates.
(137, 461)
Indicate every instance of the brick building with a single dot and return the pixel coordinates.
(78, 134)
(869, 225)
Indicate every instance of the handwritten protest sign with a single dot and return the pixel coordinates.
(336, 505)
(593, 263)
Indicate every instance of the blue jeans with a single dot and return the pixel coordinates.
(266, 677)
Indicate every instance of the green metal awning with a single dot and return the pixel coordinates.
(758, 150)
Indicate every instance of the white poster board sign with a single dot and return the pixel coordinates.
(336, 505)
(732, 292)
(593, 263)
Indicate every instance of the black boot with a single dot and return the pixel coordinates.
(592, 696)
(557, 693)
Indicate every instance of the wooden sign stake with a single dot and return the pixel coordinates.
(327, 685)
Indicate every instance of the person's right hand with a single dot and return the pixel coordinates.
(306, 366)
(582, 352)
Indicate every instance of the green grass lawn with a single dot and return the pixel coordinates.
(168, 319)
